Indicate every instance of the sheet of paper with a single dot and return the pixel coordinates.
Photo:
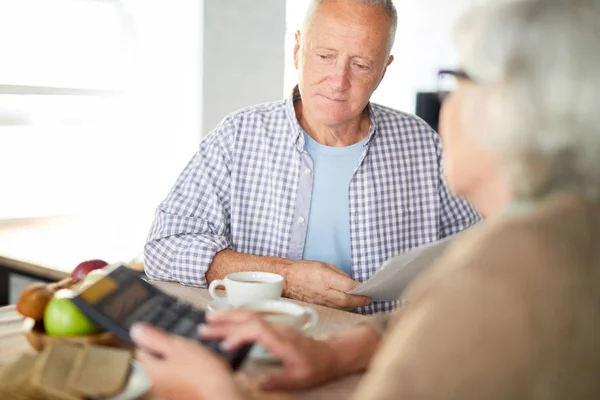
(395, 274)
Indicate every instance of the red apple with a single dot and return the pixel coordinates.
(85, 267)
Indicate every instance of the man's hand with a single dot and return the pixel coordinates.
(306, 362)
(320, 283)
(176, 375)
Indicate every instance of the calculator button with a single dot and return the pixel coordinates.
(214, 346)
(167, 319)
(194, 335)
(152, 315)
(196, 316)
(168, 301)
(181, 308)
(147, 312)
(184, 327)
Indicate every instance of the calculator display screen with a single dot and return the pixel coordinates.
(123, 302)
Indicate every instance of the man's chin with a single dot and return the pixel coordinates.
(332, 119)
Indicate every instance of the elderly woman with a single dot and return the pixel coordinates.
(512, 310)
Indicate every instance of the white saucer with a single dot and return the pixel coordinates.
(218, 305)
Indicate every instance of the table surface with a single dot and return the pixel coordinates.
(13, 342)
(52, 246)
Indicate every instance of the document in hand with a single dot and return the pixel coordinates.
(395, 274)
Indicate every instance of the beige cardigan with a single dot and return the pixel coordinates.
(511, 311)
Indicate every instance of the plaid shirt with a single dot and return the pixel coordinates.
(248, 189)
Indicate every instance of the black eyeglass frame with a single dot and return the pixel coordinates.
(457, 73)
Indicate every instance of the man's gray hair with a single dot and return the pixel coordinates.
(538, 62)
(386, 5)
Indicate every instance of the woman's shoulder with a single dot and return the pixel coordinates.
(561, 219)
(557, 226)
(502, 250)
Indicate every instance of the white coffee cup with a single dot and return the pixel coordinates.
(285, 312)
(247, 287)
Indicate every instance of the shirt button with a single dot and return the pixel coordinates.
(307, 171)
(300, 220)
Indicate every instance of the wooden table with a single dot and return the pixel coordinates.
(12, 341)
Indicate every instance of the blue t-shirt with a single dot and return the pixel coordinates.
(328, 231)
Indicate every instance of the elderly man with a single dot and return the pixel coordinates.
(321, 188)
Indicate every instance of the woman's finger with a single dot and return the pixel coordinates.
(150, 338)
(149, 361)
(223, 327)
(284, 379)
(274, 338)
(281, 345)
(230, 316)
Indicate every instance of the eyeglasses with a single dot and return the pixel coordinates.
(447, 81)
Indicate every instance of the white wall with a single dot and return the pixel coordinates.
(243, 62)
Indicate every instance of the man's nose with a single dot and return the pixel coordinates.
(340, 77)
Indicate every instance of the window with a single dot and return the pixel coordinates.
(99, 103)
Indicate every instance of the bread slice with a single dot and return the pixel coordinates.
(14, 379)
(52, 369)
(99, 372)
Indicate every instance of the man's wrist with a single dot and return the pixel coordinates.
(283, 267)
(229, 261)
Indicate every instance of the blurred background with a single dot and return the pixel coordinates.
(103, 102)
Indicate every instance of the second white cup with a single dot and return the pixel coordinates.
(285, 312)
(247, 287)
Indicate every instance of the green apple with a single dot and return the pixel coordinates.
(63, 318)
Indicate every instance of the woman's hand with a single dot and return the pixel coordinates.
(306, 362)
(186, 370)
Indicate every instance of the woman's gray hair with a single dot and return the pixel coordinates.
(386, 5)
(539, 65)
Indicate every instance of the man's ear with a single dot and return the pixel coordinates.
(389, 61)
(297, 37)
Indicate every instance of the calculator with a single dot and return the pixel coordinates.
(122, 298)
